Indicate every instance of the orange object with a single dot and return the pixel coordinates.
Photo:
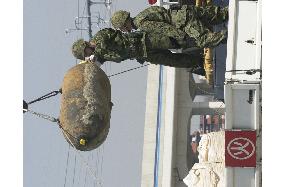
(208, 62)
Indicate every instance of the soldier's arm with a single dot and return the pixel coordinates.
(112, 56)
(103, 51)
(107, 55)
(162, 28)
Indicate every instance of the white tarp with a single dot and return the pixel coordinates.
(206, 175)
(209, 172)
(211, 147)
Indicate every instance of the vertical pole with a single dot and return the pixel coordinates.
(89, 19)
(205, 124)
(201, 123)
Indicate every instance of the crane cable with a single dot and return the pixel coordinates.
(67, 162)
(74, 170)
(66, 133)
(46, 96)
(125, 71)
(90, 169)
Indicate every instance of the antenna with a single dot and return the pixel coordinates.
(88, 20)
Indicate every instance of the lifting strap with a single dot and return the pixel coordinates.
(44, 116)
(46, 96)
(52, 119)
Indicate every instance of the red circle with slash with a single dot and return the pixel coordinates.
(240, 148)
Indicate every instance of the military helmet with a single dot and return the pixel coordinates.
(78, 49)
(119, 18)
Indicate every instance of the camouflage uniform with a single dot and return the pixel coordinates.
(188, 21)
(113, 45)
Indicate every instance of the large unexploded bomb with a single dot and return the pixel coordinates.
(85, 106)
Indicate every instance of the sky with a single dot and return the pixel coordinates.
(47, 57)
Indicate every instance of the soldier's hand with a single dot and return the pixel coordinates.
(92, 58)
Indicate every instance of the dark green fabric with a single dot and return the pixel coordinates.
(189, 20)
(178, 60)
(195, 22)
(113, 45)
(158, 20)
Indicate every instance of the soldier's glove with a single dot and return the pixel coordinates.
(92, 58)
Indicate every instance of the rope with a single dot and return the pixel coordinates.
(247, 71)
(44, 116)
(97, 162)
(60, 126)
(102, 160)
(74, 170)
(218, 110)
(46, 96)
(80, 174)
(90, 169)
(86, 173)
(52, 119)
(96, 169)
(67, 162)
(128, 70)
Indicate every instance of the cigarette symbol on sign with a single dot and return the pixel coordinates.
(241, 148)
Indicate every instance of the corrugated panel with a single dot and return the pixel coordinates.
(244, 41)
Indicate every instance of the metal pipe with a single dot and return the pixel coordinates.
(89, 3)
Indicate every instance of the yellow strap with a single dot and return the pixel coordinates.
(82, 61)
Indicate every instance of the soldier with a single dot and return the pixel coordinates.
(113, 45)
(188, 20)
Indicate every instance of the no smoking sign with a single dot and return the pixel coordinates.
(240, 148)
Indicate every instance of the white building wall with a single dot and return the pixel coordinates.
(176, 108)
(183, 113)
(150, 127)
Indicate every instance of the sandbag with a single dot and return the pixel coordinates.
(212, 147)
(206, 175)
(85, 106)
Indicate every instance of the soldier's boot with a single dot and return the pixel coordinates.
(212, 15)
